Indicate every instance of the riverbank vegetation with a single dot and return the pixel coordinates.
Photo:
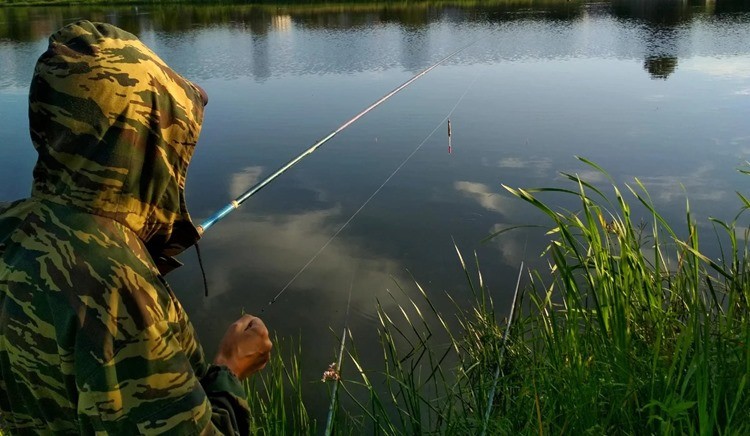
(633, 330)
(35, 23)
(309, 5)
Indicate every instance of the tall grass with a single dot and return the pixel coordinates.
(636, 330)
(631, 331)
(275, 395)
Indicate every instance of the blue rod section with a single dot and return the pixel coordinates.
(216, 217)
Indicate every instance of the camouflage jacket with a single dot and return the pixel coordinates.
(91, 337)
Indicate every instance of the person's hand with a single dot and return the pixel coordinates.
(245, 348)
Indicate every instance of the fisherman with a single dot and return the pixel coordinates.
(92, 339)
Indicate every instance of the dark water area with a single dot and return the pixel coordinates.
(654, 90)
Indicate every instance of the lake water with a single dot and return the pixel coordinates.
(658, 90)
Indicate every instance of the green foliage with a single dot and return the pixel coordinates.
(632, 331)
(275, 395)
(635, 331)
(304, 5)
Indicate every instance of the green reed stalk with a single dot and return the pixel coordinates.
(634, 325)
(334, 395)
(275, 395)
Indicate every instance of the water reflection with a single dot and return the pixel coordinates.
(265, 241)
(702, 185)
(725, 67)
(31, 24)
(241, 38)
(415, 49)
(487, 197)
(250, 258)
(660, 20)
(261, 66)
(665, 27)
(660, 67)
(660, 13)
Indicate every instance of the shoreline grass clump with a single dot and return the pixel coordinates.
(275, 395)
(635, 330)
(631, 330)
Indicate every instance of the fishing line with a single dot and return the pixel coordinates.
(506, 334)
(234, 204)
(388, 179)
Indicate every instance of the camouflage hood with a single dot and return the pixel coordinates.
(115, 129)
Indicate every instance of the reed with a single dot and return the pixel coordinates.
(636, 330)
(632, 330)
(275, 395)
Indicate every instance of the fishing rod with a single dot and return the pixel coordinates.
(234, 204)
(366, 202)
